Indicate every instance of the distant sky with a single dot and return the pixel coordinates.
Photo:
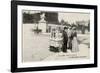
(73, 17)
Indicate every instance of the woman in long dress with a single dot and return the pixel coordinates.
(75, 47)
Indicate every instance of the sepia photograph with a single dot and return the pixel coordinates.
(55, 35)
(52, 36)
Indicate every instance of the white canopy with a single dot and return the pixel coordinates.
(73, 17)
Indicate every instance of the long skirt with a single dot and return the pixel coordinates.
(75, 47)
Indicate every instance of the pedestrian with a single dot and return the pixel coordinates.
(65, 39)
(69, 33)
(75, 47)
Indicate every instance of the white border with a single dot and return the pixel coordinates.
(54, 63)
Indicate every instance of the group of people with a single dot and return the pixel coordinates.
(66, 40)
(69, 40)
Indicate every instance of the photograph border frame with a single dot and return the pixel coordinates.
(14, 5)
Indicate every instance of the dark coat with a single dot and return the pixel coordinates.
(65, 36)
(74, 34)
(65, 40)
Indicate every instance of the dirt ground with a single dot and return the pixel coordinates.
(36, 47)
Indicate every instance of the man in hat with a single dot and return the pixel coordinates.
(65, 39)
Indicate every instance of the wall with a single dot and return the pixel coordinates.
(5, 36)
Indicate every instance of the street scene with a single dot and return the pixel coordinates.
(51, 36)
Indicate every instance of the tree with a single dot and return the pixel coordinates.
(62, 22)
